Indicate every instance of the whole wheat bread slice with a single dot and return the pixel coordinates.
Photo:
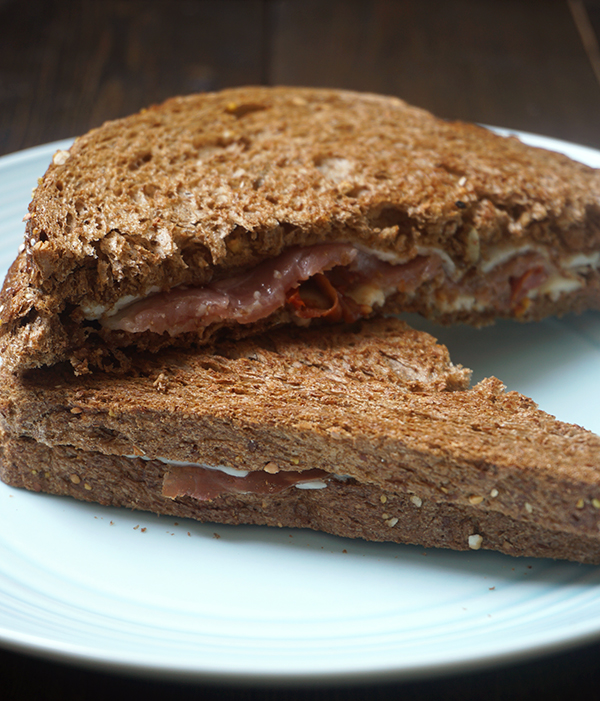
(201, 187)
(408, 452)
(350, 509)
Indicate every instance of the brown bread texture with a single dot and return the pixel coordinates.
(350, 510)
(426, 460)
(204, 186)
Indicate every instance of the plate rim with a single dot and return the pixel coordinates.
(61, 652)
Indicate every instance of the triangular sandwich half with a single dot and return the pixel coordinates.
(367, 432)
(234, 211)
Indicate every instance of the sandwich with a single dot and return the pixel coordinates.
(225, 214)
(363, 431)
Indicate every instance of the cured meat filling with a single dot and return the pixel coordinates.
(507, 286)
(335, 281)
(205, 484)
(342, 281)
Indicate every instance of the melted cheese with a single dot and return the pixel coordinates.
(556, 285)
(497, 255)
(93, 311)
(582, 260)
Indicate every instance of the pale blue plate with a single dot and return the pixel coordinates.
(132, 592)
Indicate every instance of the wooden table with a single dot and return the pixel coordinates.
(525, 64)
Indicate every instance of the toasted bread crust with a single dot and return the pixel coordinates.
(381, 404)
(205, 185)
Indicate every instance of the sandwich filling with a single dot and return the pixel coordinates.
(204, 483)
(336, 281)
(341, 282)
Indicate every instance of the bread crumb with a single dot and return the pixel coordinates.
(304, 425)
(161, 383)
(473, 247)
(475, 541)
(60, 158)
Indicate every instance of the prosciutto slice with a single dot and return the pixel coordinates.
(335, 281)
(336, 271)
(245, 298)
(205, 484)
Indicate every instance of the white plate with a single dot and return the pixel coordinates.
(133, 592)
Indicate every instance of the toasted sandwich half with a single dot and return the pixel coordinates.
(366, 432)
(231, 212)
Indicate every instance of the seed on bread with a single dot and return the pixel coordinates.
(475, 541)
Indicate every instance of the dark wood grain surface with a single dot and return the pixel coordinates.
(66, 66)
